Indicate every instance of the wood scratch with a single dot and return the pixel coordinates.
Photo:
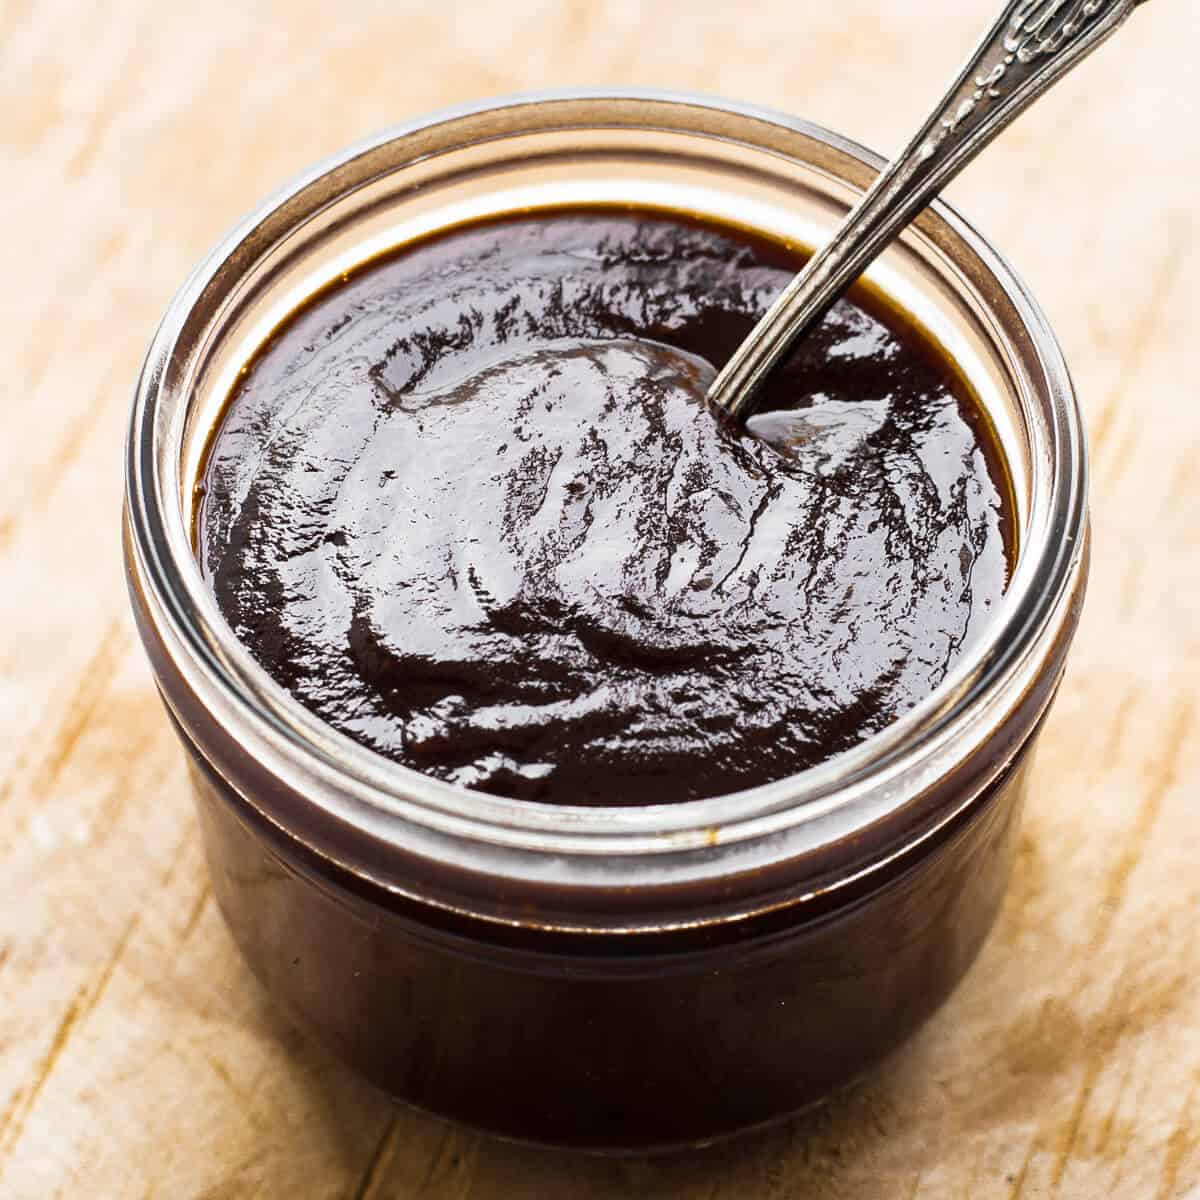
(1162, 780)
(435, 1158)
(1116, 735)
(1183, 481)
(379, 1161)
(1140, 343)
(82, 1004)
(233, 1186)
(1023, 1174)
(469, 1159)
(110, 967)
(197, 911)
(14, 1102)
(1179, 1145)
(1105, 1132)
(95, 680)
(77, 437)
(134, 923)
(1091, 1074)
(969, 1186)
(14, 772)
(10, 1132)
(118, 792)
(178, 855)
(244, 1097)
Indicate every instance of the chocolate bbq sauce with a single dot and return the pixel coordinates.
(469, 508)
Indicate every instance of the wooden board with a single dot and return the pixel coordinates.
(137, 1057)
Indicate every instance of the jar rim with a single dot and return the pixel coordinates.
(391, 804)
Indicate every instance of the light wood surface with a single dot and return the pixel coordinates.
(137, 1056)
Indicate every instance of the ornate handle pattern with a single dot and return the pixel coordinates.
(1031, 46)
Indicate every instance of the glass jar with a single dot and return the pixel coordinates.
(624, 978)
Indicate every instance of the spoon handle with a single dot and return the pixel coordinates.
(1033, 44)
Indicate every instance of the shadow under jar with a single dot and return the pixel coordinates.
(605, 978)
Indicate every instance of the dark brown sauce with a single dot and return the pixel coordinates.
(468, 507)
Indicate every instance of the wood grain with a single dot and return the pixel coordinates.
(137, 1058)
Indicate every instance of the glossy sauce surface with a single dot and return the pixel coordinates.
(468, 507)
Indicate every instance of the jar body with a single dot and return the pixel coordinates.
(634, 1052)
(607, 980)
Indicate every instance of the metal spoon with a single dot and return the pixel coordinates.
(1033, 44)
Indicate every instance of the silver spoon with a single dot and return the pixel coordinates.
(1033, 44)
